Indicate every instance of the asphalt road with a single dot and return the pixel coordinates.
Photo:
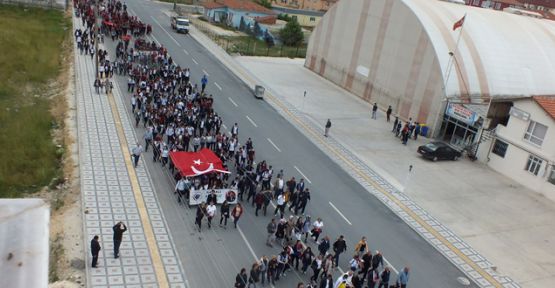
(213, 257)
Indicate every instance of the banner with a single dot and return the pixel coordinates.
(198, 196)
(461, 113)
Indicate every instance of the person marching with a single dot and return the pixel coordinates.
(224, 213)
(236, 213)
(210, 213)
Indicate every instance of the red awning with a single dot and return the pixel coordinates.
(197, 163)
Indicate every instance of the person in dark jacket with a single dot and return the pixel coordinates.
(377, 260)
(95, 249)
(324, 246)
(201, 211)
(356, 281)
(339, 246)
(224, 213)
(241, 279)
(255, 273)
(384, 278)
(306, 259)
(327, 282)
(304, 197)
(118, 229)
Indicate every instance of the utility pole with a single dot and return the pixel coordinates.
(97, 30)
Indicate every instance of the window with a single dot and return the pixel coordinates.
(312, 19)
(533, 165)
(535, 133)
(551, 178)
(500, 148)
(476, 2)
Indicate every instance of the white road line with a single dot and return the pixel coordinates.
(194, 60)
(273, 144)
(225, 127)
(235, 104)
(218, 86)
(304, 176)
(185, 50)
(205, 73)
(156, 40)
(247, 242)
(249, 118)
(158, 23)
(340, 214)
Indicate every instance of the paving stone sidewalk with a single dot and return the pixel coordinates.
(108, 197)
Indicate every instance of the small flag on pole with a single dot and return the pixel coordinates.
(459, 23)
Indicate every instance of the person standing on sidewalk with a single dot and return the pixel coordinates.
(374, 111)
(388, 113)
(136, 153)
(95, 249)
(118, 229)
(328, 126)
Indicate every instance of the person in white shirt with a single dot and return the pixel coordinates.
(317, 228)
(210, 212)
(280, 205)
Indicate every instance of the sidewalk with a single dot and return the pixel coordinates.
(113, 191)
(508, 224)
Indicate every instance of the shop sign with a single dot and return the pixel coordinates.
(520, 114)
(461, 113)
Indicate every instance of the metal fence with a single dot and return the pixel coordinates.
(248, 45)
(54, 4)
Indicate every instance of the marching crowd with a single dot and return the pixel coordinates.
(178, 115)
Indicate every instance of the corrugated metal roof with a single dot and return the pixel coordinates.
(511, 55)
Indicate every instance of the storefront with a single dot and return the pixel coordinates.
(460, 125)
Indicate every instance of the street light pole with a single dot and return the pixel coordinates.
(96, 37)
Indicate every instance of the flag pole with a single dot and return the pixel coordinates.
(452, 55)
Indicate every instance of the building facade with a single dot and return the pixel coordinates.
(305, 18)
(313, 5)
(230, 12)
(522, 146)
(458, 80)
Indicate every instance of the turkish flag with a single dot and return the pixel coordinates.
(459, 23)
(197, 163)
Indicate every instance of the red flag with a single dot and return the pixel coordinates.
(458, 23)
(197, 163)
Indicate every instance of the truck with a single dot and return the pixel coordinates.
(180, 24)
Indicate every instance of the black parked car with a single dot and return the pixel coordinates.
(438, 151)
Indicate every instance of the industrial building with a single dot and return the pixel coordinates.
(460, 80)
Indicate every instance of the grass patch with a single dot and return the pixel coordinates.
(30, 61)
(249, 46)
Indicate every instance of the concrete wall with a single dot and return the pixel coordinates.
(379, 51)
(514, 163)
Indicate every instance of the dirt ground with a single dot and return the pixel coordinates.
(67, 254)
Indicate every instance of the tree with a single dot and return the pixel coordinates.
(292, 33)
(264, 3)
(242, 24)
(257, 30)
